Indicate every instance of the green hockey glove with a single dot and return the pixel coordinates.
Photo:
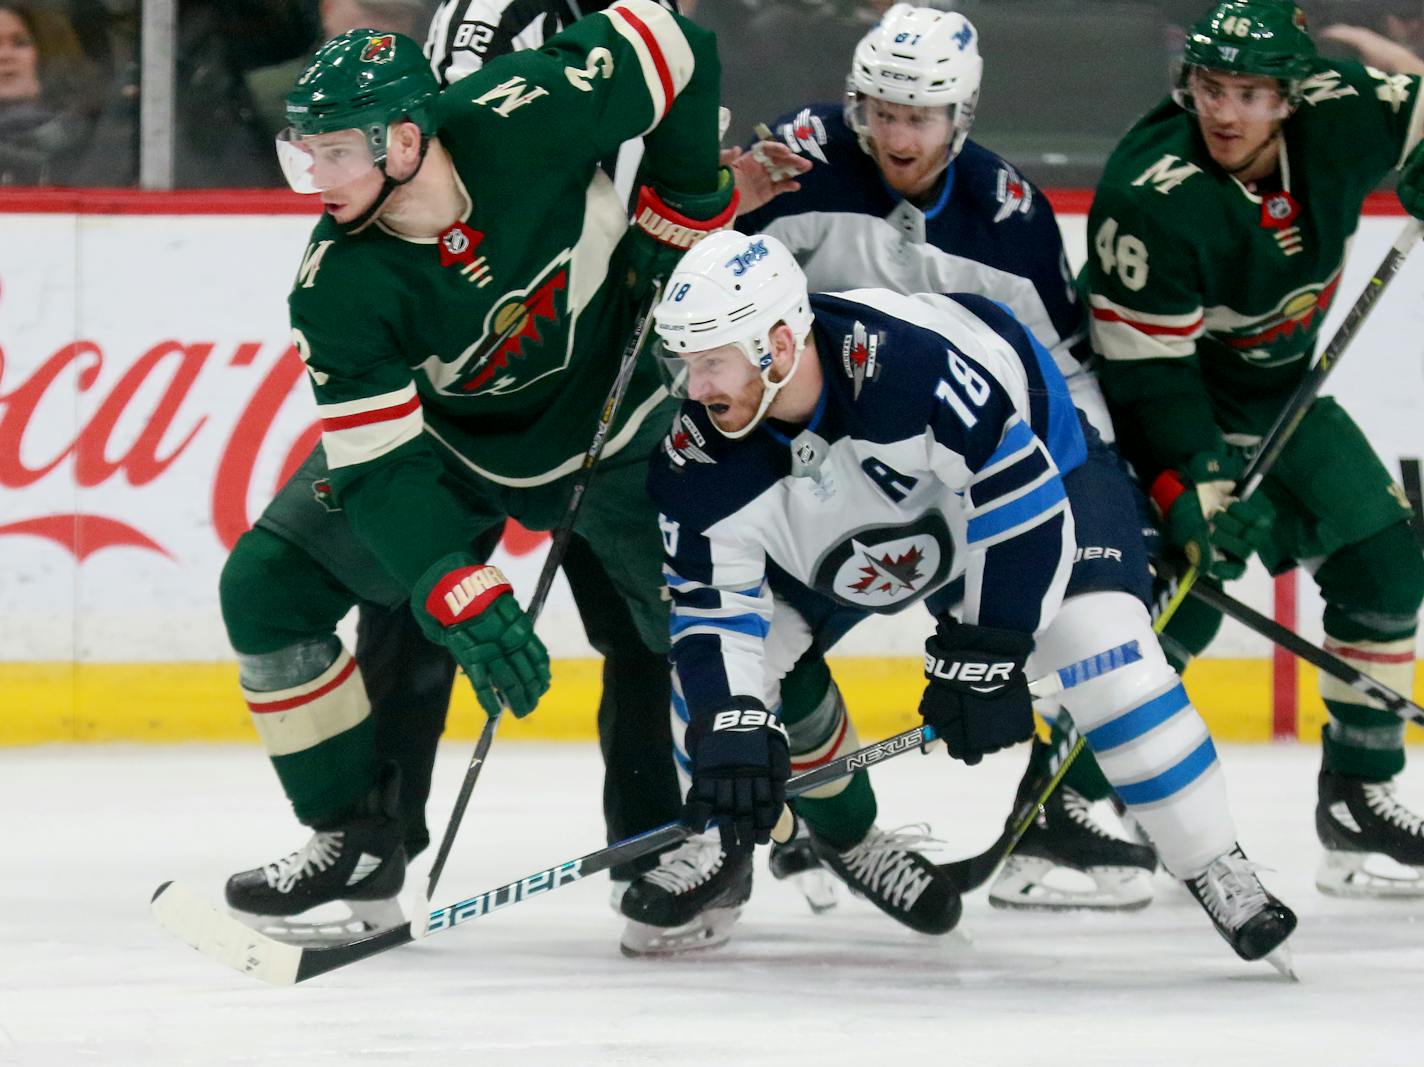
(1217, 532)
(667, 224)
(1411, 182)
(470, 609)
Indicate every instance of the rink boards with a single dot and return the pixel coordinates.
(150, 404)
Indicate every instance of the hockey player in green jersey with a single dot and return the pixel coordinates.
(461, 310)
(1217, 236)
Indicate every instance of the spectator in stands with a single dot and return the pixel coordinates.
(45, 115)
(1396, 50)
(268, 86)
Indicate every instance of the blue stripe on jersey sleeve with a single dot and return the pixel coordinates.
(750, 624)
(1016, 438)
(1016, 576)
(1016, 512)
(1010, 479)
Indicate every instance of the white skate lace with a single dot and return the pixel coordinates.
(884, 863)
(687, 866)
(318, 854)
(1079, 809)
(1231, 891)
(1380, 798)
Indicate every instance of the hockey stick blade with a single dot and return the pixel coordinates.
(971, 872)
(228, 940)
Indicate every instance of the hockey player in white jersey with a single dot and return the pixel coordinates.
(897, 196)
(858, 452)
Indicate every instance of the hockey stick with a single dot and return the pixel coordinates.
(228, 940)
(1274, 443)
(971, 872)
(557, 548)
(1298, 646)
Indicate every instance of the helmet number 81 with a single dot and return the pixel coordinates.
(1124, 252)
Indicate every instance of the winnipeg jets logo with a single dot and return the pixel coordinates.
(519, 326)
(884, 573)
(885, 569)
(685, 442)
(380, 49)
(858, 357)
(1014, 194)
(805, 134)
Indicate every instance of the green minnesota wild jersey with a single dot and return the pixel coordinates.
(489, 349)
(1207, 299)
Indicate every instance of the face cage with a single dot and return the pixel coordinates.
(1289, 93)
(298, 158)
(960, 115)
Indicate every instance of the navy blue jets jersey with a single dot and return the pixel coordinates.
(939, 442)
(990, 231)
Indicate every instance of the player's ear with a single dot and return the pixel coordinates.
(783, 349)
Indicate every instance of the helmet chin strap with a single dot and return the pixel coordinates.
(768, 394)
(1271, 142)
(388, 186)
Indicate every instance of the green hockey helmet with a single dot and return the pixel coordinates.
(362, 81)
(1266, 38)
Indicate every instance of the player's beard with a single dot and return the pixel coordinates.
(740, 409)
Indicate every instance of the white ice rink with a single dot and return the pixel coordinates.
(86, 977)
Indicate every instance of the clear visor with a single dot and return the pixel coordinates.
(321, 161)
(1218, 95)
(697, 375)
(886, 123)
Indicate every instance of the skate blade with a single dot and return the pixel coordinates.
(1367, 875)
(1031, 883)
(819, 889)
(711, 929)
(365, 917)
(1283, 961)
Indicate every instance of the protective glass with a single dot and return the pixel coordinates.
(1220, 95)
(317, 162)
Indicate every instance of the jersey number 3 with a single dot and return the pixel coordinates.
(1124, 252)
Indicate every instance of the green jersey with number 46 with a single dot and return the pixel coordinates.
(1207, 298)
(487, 351)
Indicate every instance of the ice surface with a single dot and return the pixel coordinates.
(86, 977)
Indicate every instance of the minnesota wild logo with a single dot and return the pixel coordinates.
(1281, 334)
(379, 49)
(522, 339)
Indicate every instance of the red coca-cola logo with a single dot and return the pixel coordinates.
(168, 370)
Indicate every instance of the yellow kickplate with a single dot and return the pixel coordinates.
(41, 703)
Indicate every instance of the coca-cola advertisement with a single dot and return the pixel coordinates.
(151, 403)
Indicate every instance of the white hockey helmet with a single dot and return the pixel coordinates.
(922, 57)
(733, 289)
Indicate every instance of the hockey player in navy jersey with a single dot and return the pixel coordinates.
(896, 195)
(859, 452)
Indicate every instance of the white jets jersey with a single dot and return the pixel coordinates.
(932, 455)
(990, 231)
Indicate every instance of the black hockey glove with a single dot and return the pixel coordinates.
(740, 763)
(977, 698)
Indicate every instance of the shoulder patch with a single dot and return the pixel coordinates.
(1326, 85)
(1012, 192)
(685, 442)
(859, 356)
(805, 134)
(1166, 174)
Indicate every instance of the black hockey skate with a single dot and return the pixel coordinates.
(358, 861)
(886, 870)
(1253, 922)
(796, 859)
(690, 901)
(1067, 860)
(1374, 845)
